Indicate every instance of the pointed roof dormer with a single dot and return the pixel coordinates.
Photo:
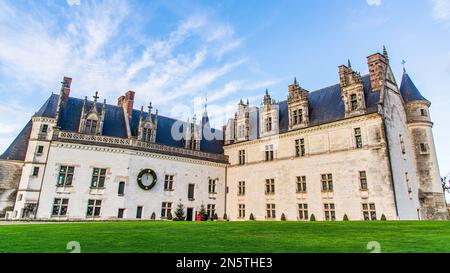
(409, 90)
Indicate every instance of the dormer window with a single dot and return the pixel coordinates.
(353, 102)
(146, 134)
(297, 117)
(91, 127)
(44, 128)
(268, 124)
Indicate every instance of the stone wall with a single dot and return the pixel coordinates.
(10, 172)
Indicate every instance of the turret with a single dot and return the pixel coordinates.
(431, 196)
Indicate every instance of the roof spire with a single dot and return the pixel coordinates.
(349, 64)
(295, 81)
(267, 92)
(385, 53)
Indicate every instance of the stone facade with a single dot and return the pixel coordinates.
(362, 149)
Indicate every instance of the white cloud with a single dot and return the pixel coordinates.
(441, 10)
(101, 47)
(373, 2)
(73, 2)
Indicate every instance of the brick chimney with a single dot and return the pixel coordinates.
(126, 101)
(377, 69)
(66, 88)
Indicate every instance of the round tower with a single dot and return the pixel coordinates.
(431, 195)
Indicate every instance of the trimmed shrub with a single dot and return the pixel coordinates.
(153, 217)
(202, 213)
(383, 217)
(283, 217)
(179, 213)
(225, 217)
(169, 216)
(252, 218)
(312, 218)
(345, 217)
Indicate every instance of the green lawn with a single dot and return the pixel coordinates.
(159, 236)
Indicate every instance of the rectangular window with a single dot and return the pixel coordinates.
(166, 209)
(269, 152)
(354, 102)
(241, 157)
(241, 188)
(423, 112)
(330, 213)
(139, 212)
(121, 190)
(297, 117)
(60, 207)
(270, 186)
(242, 211)
(98, 178)
(369, 212)
(358, 138)
(241, 131)
(120, 213)
(94, 208)
(65, 176)
(303, 212)
(212, 186)
(402, 146)
(423, 148)
(300, 147)
(44, 128)
(363, 180)
(327, 182)
(211, 210)
(191, 188)
(146, 134)
(168, 182)
(91, 127)
(268, 124)
(270, 211)
(301, 184)
(35, 171)
(40, 150)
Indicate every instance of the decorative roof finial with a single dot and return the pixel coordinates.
(385, 53)
(248, 103)
(295, 81)
(150, 107)
(349, 64)
(267, 92)
(206, 101)
(96, 96)
(404, 67)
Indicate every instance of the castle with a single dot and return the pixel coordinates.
(361, 149)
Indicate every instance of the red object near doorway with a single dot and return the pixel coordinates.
(198, 218)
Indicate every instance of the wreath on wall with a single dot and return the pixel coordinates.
(146, 179)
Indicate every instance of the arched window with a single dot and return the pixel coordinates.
(121, 188)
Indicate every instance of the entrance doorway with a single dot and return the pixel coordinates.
(189, 214)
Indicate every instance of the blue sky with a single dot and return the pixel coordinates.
(175, 52)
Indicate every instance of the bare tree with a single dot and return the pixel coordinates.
(445, 184)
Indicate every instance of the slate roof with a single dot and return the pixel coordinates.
(114, 126)
(325, 105)
(409, 90)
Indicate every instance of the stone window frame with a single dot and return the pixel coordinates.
(423, 112)
(303, 211)
(94, 208)
(121, 188)
(358, 138)
(146, 134)
(241, 211)
(39, 150)
(329, 210)
(168, 182)
(166, 209)
(369, 211)
(270, 211)
(241, 188)
(300, 148)
(241, 157)
(60, 207)
(301, 184)
(363, 184)
(423, 148)
(353, 102)
(35, 172)
(269, 152)
(270, 186)
(65, 176)
(297, 116)
(98, 179)
(44, 129)
(327, 182)
(211, 210)
(212, 186)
